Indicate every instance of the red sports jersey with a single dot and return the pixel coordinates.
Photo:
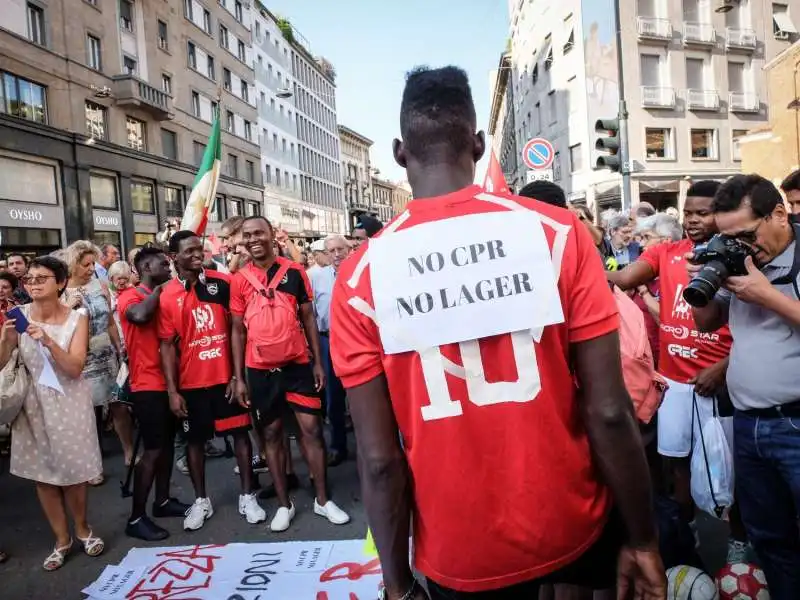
(295, 285)
(200, 320)
(683, 350)
(141, 343)
(504, 492)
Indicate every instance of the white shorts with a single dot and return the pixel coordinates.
(675, 420)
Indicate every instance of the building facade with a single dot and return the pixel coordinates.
(383, 194)
(105, 112)
(501, 123)
(314, 98)
(693, 79)
(774, 151)
(277, 125)
(356, 173)
(401, 196)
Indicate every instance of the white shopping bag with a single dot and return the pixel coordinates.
(712, 466)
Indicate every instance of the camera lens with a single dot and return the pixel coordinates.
(704, 285)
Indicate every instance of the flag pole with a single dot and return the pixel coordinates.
(217, 116)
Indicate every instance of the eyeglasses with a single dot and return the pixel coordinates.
(36, 280)
(749, 236)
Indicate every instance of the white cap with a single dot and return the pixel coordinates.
(318, 246)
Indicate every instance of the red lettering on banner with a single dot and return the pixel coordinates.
(179, 566)
(354, 571)
(324, 596)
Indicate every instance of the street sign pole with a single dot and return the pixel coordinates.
(627, 200)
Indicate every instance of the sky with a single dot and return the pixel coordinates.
(373, 43)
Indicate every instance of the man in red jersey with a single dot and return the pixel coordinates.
(694, 363)
(273, 329)
(194, 327)
(514, 472)
(138, 307)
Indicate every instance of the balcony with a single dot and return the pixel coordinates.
(699, 34)
(653, 29)
(743, 102)
(737, 38)
(279, 120)
(702, 100)
(132, 91)
(658, 97)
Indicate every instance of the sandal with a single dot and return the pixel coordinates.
(56, 560)
(97, 481)
(92, 546)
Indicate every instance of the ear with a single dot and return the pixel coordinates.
(479, 146)
(780, 214)
(399, 152)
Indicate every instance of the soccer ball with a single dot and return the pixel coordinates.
(690, 583)
(742, 581)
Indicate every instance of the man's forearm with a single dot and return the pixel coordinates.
(237, 349)
(617, 448)
(168, 364)
(387, 498)
(708, 318)
(312, 333)
(144, 311)
(786, 307)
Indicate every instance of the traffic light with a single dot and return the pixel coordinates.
(608, 141)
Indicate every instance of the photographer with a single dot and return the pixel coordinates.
(763, 310)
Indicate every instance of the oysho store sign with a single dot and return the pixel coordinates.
(25, 215)
(106, 221)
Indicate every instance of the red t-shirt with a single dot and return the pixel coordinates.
(472, 532)
(295, 285)
(141, 343)
(683, 350)
(200, 320)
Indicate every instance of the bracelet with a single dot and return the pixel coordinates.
(410, 593)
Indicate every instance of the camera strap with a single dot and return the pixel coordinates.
(791, 276)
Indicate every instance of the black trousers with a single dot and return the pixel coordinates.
(595, 569)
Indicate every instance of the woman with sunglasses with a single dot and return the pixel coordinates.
(53, 439)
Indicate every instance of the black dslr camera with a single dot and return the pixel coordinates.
(721, 257)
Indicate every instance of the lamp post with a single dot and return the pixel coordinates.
(795, 106)
(624, 149)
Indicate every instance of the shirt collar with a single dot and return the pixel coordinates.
(186, 285)
(785, 259)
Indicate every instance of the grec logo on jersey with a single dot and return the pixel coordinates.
(209, 354)
(203, 318)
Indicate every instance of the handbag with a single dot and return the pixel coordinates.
(14, 381)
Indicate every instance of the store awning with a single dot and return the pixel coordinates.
(659, 185)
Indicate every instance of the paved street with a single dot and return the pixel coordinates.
(25, 535)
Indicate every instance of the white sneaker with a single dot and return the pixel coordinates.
(282, 519)
(197, 514)
(250, 510)
(330, 511)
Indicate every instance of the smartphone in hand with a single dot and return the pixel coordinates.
(20, 320)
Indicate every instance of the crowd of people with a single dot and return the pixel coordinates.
(514, 460)
(159, 345)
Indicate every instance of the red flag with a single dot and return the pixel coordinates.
(495, 181)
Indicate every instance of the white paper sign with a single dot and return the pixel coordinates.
(279, 571)
(461, 279)
(48, 377)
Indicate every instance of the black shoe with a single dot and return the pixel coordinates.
(145, 529)
(292, 483)
(336, 458)
(172, 508)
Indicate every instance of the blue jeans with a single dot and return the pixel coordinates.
(334, 399)
(767, 466)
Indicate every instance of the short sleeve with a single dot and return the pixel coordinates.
(237, 296)
(355, 344)
(126, 300)
(723, 297)
(166, 325)
(305, 294)
(592, 310)
(652, 257)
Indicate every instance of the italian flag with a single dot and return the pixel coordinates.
(204, 189)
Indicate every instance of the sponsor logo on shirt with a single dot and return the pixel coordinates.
(682, 351)
(212, 288)
(207, 340)
(681, 332)
(203, 318)
(210, 354)
(680, 308)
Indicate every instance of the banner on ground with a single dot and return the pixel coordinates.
(337, 570)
